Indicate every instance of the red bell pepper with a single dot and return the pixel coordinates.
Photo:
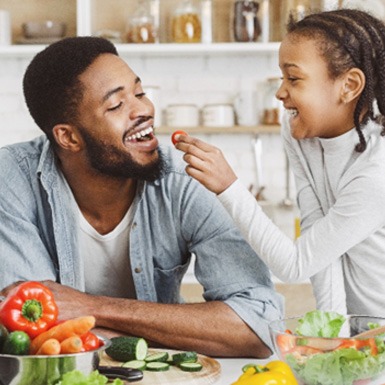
(29, 307)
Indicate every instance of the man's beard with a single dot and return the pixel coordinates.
(109, 160)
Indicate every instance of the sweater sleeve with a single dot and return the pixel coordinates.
(323, 243)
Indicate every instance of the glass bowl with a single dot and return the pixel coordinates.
(343, 360)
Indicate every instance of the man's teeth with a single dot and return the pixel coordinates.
(292, 112)
(140, 134)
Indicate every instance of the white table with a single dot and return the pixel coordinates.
(231, 368)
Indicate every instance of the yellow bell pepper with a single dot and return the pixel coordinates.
(274, 373)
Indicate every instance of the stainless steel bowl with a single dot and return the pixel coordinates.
(47, 370)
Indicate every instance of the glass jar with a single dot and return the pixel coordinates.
(272, 106)
(141, 25)
(246, 26)
(186, 23)
(297, 8)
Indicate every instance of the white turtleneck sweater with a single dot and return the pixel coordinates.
(341, 196)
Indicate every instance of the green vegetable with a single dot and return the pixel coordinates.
(17, 343)
(160, 357)
(76, 377)
(319, 323)
(342, 366)
(178, 358)
(135, 364)
(3, 336)
(191, 366)
(339, 367)
(157, 366)
(127, 349)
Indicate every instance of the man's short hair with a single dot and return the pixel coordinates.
(51, 85)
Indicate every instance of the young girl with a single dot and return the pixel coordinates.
(333, 91)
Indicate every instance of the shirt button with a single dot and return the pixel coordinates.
(134, 225)
(138, 270)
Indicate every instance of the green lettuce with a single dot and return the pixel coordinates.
(319, 323)
(76, 377)
(339, 367)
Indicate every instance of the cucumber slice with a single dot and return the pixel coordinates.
(157, 357)
(178, 358)
(135, 364)
(190, 366)
(127, 348)
(157, 366)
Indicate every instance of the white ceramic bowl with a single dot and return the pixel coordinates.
(44, 29)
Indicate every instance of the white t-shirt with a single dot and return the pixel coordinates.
(107, 267)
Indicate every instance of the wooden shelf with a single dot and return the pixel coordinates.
(162, 49)
(236, 130)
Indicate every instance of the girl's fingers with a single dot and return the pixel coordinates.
(184, 143)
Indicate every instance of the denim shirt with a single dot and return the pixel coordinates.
(174, 218)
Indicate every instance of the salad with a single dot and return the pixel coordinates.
(332, 360)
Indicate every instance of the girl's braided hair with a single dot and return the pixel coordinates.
(349, 38)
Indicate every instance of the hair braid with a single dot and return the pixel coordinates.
(351, 38)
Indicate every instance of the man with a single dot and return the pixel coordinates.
(109, 221)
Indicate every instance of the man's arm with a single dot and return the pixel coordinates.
(211, 328)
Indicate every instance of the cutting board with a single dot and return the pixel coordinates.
(209, 374)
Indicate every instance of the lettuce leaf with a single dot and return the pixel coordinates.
(339, 367)
(319, 323)
(76, 377)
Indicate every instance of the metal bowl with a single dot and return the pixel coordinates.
(47, 370)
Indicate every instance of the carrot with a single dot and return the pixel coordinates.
(76, 326)
(49, 347)
(73, 344)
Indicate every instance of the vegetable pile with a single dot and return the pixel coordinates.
(29, 325)
(133, 353)
(331, 361)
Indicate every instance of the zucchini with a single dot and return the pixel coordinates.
(157, 357)
(127, 348)
(17, 343)
(178, 358)
(157, 366)
(135, 364)
(190, 366)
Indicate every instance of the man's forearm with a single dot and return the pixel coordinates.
(211, 328)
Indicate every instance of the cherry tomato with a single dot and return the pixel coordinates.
(90, 341)
(176, 133)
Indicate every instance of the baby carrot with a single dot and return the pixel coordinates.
(72, 344)
(76, 326)
(49, 347)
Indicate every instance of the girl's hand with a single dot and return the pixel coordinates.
(206, 163)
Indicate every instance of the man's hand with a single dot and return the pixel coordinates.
(4, 292)
(71, 303)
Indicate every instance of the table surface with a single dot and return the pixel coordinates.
(231, 368)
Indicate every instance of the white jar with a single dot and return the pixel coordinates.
(218, 115)
(182, 115)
